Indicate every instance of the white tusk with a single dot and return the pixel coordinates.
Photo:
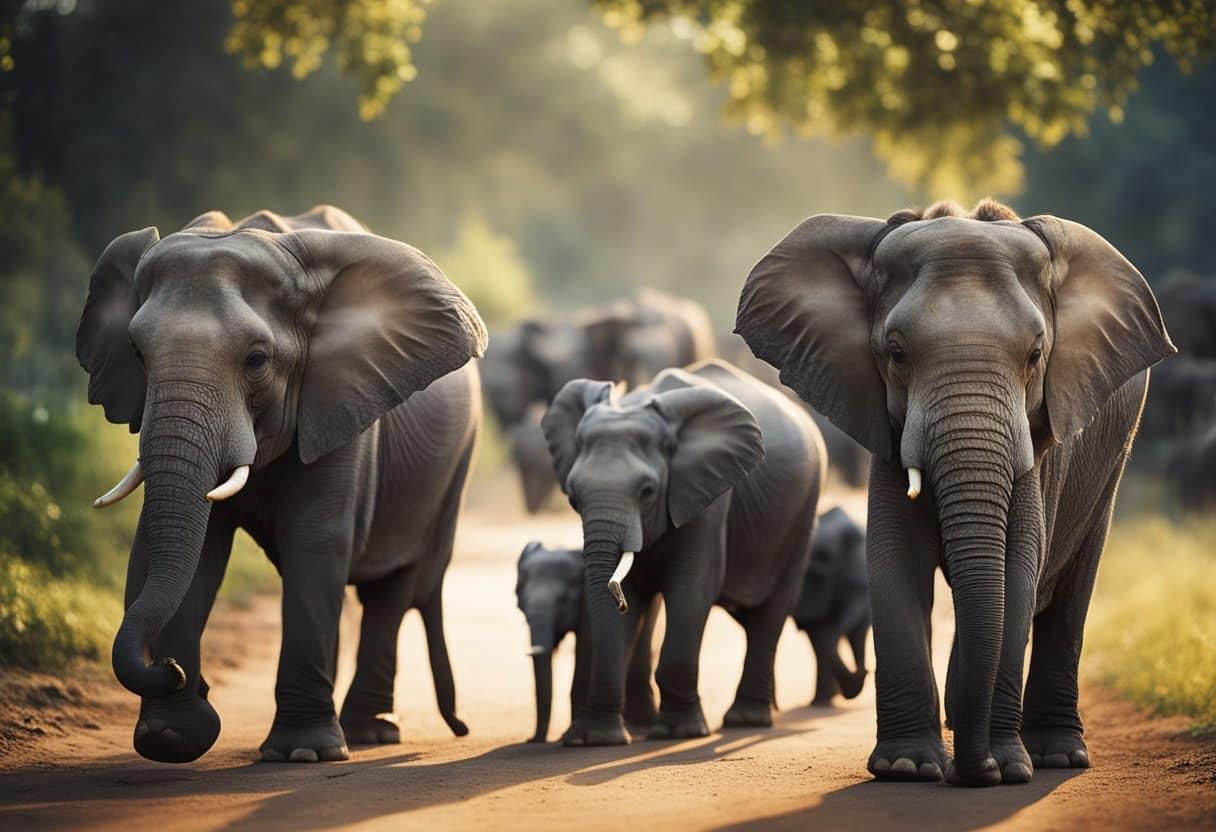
(535, 650)
(125, 486)
(913, 483)
(229, 488)
(614, 583)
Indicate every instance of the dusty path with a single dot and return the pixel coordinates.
(806, 773)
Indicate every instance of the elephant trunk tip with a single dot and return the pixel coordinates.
(150, 681)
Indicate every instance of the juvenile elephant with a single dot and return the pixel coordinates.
(551, 597)
(309, 382)
(710, 478)
(835, 604)
(1007, 361)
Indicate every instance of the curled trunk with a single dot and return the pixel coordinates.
(180, 459)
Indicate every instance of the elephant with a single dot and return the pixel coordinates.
(999, 366)
(848, 461)
(835, 604)
(1182, 402)
(311, 383)
(1192, 471)
(703, 483)
(627, 340)
(551, 597)
(1188, 302)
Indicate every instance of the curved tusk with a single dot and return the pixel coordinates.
(913, 483)
(234, 483)
(535, 650)
(125, 486)
(614, 583)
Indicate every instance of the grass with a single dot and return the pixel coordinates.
(1151, 634)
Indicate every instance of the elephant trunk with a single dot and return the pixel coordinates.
(542, 628)
(969, 448)
(181, 460)
(604, 540)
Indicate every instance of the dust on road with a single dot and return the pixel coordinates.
(807, 772)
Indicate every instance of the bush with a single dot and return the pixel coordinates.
(1152, 627)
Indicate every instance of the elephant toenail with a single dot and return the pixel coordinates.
(170, 734)
(1016, 773)
(929, 771)
(273, 755)
(335, 754)
(142, 730)
(882, 766)
(904, 766)
(303, 755)
(1080, 758)
(1057, 760)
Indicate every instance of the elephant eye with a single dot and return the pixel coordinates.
(897, 354)
(646, 491)
(1034, 357)
(256, 361)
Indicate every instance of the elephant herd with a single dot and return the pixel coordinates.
(314, 384)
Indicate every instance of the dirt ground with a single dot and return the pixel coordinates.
(66, 760)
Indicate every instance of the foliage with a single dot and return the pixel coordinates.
(488, 268)
(1152, 627)
(936, 83)
(46, 621)
(371, 39)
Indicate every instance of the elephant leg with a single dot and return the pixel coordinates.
(582, 667)
(825, 682)
(754, 698)
(640, 710)
(367, 714)
(680, 713)
(1052, 731)
(441, 664)
(902, 552)
(314, 565)
(182, 727)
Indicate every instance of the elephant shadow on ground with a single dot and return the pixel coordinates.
(932, 806)
(314, 797)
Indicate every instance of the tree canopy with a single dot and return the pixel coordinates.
(946, 89)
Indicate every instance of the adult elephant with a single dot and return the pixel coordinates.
(1192, 471)
(309, 382)
(710, 478)
(1007, 361)
(1188, 302)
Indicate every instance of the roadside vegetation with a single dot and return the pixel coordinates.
(1151, 633)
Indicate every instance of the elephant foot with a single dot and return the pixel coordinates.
(588, 729)
(920, 758)
(1013, 759)
(678, 723)
(322, 742)
(850, 688)
(640, 715)
(176, 732)
(381, 729)
(1056, 747)
(749, 714)
(986, 772)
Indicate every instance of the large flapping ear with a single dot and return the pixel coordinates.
(1108, 327)
(103, 347)
(803, 310)
(718, 441)
(561, 420)
(388, 324)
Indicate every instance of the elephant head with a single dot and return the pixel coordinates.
(549, 591)
(961, 346)
(227, 349)
(635, 468)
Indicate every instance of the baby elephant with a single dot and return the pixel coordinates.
(835, 604)
(550, 593)
(704, 482)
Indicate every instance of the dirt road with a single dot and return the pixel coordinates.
(805, 773)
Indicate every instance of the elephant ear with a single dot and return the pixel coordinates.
(803, 309)
(103, 347)
(1108, 327)
(388, 323)
(560, 421)
(718, 442)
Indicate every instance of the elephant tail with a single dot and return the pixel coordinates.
(441, 666)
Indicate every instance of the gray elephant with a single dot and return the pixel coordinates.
(310, 383)
(1192, 471)
(999, 366)
(550, 595)
(835, 604)
(708, 479)
(627, 340)
(1188, 302)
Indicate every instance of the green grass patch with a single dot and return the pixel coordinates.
(1152, 626)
